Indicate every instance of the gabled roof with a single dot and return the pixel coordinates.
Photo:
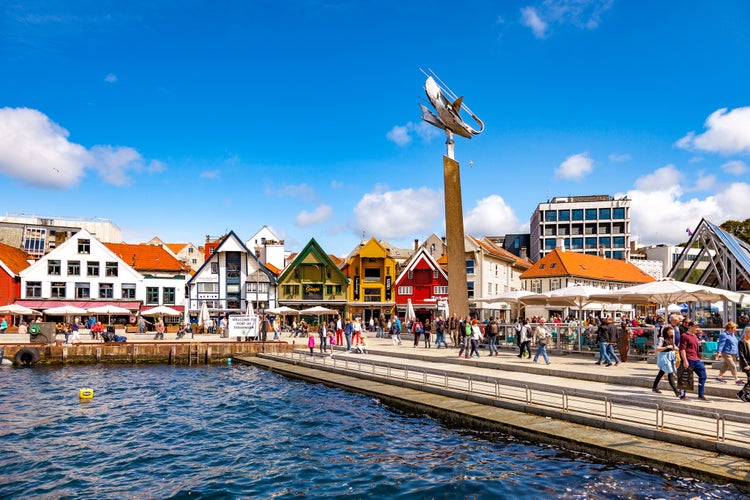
(176, 247)
(143, 257)
(14, 260)
(230, 242)
(573, 264)
(421, 255)
(314, 248)
(726, 258)
(497, 251)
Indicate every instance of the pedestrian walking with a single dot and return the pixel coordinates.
(348, 331)
(465, 329)
(311, 342)
(440, 333)
(494, 330)
(690, 357)
(427, 330)
(542, 336)
(727, 350)
(526, 336)
(453, 326)
(743, 354)
(416, 330)
(602, 339)
(323, 335)
(340, 332)
(666, 361)
(476, 338)
(394, 331)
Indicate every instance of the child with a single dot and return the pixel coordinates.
(362, 345)
(331, 339)
(311, 342)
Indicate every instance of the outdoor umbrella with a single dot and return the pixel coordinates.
(109, 310)
(673, 308)
(161, 311)
(410, 314)
(65, 310)
(250, 313)
(513, 297)
(19, 310)
(204, 315)
(668, 291)
(318, 310)
(282, 310)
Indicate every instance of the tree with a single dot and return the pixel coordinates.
(738, 229)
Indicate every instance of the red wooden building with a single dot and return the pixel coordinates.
(424, 282)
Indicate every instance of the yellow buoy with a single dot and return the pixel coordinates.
(85, 393)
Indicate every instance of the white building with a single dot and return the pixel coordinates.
(594, 225)
(230, 278)
(667, 255)
(84, 272)
(38, 234)
(268, 247)
(490, 270)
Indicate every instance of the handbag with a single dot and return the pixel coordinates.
(685, 379)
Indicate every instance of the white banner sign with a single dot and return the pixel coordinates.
(243, 326)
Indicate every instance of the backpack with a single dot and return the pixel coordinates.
(494, 328)
(395, 329)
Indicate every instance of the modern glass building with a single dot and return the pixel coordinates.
(594, 225)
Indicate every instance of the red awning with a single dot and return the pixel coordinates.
(41, 304)
(176, 308)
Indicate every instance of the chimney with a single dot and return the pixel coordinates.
(561, 244)
(416, 243)
(601, 252)
(524, 254)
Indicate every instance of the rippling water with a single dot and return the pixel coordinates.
(241, 432)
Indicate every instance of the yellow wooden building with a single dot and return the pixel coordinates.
(371, 271)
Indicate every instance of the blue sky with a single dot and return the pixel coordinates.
(186, 118)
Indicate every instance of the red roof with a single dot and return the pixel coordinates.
(15, 259)
(144, 257)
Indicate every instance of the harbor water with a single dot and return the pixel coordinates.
(241, 432)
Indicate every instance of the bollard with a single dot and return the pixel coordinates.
(229, 361)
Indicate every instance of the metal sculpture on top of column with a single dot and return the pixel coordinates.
(448, 107)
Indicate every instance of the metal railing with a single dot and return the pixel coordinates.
(725, 427)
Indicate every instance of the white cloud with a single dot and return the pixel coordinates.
(110, 78)
(301, 191)
(575, 167)
(491, 216)
(398, 214)
(584, 14)
(337, 184)
(403, 134)
(735, 167)
(36, 150)
(399, 135)
(659, 180)
(321, 213)
(210, 174)
(661, 213)
(530, 18)
(705, 182)
(619, 157)
(727, 133)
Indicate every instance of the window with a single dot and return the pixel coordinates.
(618, 241)
(470, 266)
(563, 215)
(111, 270)
(440, 290)
(372, 274)
(605, 213)
(405, 290)
(372, 295)
(106, 290)
(291, 290)
(550, 230)
(576, 229)
(83, 290)
(53, 267)
(536, 286)
(590, 243)
(214, 268)
(211, 287)
(576, 243)
(33, 289)
(618, 213)
(253, 287)
(128, 290)
(57, 290)
(84, 246)
(92, 268)
(618, 228)
(435, 273)
(74, 268)
(410, 274)
(577, 214)
(190, 249)
(550, 215)
(604, 228)
(591, 214)
(605, 242)
(470, 289)
(152, 295)
(618, 255)
(169, 295)
(549, 244)
(555, 284)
